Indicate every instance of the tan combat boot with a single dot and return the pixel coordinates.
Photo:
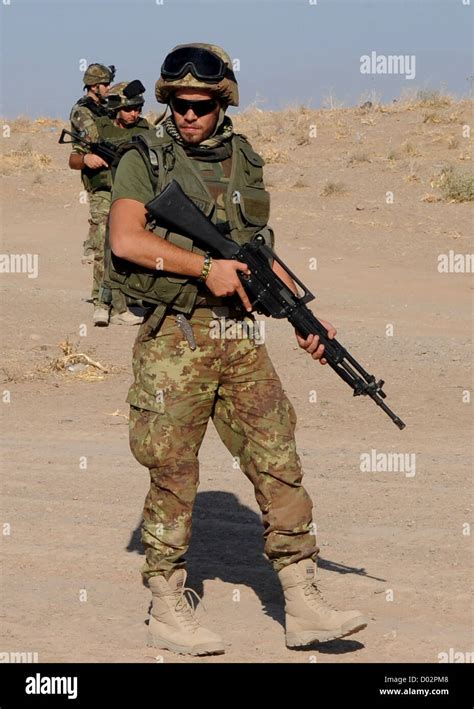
(309, 618)
(173, 625)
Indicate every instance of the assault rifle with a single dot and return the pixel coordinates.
(173, 210)
(103, 148)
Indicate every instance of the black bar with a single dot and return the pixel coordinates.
(307, 678)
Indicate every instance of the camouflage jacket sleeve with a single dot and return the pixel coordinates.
(82, 120)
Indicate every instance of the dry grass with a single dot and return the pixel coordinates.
(412, 99)
(299, 184)
(15, 375)
(370, 101)
(264, 128)
(330, 102)
(357, 158)
(411, 149)
(432, 98)
(70, 357)
(24, 158)
(432, 118)
(455, 117)
(23, 124)
(273, 155)
(333, 188)
(430, 197)
(70, 363)
(456, 186)
(412, 175)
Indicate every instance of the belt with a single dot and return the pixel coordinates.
(208, 309)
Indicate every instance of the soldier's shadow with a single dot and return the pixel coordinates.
(227, 544)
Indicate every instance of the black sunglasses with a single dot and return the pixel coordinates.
(199, 108)
(203, 65)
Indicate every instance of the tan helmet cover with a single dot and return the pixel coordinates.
(226, 89)
(97, 74)
(116, 98)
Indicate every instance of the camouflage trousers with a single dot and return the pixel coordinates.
(99, 206)
(175, 393)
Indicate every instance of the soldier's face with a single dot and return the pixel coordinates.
(103, 89)
(128, 116)
(194, 129)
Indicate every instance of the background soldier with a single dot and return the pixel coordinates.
(94, 173)
(183, 376)
(124, 106)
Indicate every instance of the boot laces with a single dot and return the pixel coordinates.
(186, 606)
(314, 593)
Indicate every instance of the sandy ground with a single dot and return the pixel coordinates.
(394, 546)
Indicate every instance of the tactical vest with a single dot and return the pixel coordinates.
(95, 180)
(247, 207)
(97, 109)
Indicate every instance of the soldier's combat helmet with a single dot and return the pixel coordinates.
(198, 66)
(126, 93)
(99, 74)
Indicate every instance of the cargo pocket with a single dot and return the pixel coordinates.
(142, 425)
(146, 400)
(150, 371)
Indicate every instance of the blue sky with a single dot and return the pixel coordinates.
(290, 52)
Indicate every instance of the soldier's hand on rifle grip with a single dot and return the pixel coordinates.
(223, 280)
(311, 344)
(94, 161)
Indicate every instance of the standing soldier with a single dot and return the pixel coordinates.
(183, 376)
(94, 173)
(124, 105)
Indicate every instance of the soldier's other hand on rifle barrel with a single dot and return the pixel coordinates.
(311, 344)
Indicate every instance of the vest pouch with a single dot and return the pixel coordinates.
(136, 281)
(97, 179)
(150, 287)
(252, 207)
(252, 164)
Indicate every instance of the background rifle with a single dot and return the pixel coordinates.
(173, 210)
(103, 148)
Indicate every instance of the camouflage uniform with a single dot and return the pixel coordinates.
(186, 372)
(109, 130)
(82, 119)
(175, 392)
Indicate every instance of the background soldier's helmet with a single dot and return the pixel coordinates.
(226, 88)
(99, 74)
(126, 93)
